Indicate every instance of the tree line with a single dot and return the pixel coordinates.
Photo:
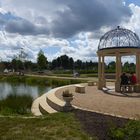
(62, 62)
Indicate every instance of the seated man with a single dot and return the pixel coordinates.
(124, 80)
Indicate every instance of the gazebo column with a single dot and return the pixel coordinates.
(118, 72)
(99, 73)
(138, 71)
(103, 73)
(138, 67)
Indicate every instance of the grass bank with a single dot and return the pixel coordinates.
(16, 105)
(36, 80)
(67, 126)
(59, 126)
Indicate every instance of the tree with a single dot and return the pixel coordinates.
(64, 61)
(71, 63)
(41, 60)
(126, 67)
(17, 65)
(14, 64)
(132, 67)
(78, 64)
(28, 65)
(112, 65)
(54, 64)
(2, 67)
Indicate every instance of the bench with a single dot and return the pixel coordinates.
(127, 88)
(130, 88)
(137, 88)
(92, 83)
(80, 88)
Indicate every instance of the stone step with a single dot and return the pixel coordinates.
(53, 101)
(44, 106)
(35, 107)
(48, 103)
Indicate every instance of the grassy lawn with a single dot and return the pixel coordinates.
(59, 126)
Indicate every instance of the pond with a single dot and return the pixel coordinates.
(20, 89)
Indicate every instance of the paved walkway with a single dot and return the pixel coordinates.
(126, 105)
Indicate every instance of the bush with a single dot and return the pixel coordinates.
(13, 78)
(131, 131)
(60, 82)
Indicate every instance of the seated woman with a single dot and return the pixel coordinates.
(133, 79)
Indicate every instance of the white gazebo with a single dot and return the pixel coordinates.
(118, 42)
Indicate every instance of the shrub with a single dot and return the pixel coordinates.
(131, 131)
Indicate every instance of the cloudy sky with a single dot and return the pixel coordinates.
(71, 27)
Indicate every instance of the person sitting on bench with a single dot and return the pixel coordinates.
(133, 79)
(124, 80)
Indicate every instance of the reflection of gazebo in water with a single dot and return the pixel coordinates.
(118, 42)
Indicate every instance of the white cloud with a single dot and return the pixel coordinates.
(134, 22)
(64, 18)
(72, 26)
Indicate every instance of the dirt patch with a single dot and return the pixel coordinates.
(98, 125)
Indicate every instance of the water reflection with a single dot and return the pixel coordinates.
(20, 89)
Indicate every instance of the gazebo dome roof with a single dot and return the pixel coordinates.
(119, 38)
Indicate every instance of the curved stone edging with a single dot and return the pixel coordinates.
(47, 102)
(85, 109)
(35, 107)
(55, 102)
(58, 104)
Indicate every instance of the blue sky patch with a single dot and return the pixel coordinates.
(136, 2)
(51, 50)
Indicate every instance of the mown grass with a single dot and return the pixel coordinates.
(59, 126)
(16, 105)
